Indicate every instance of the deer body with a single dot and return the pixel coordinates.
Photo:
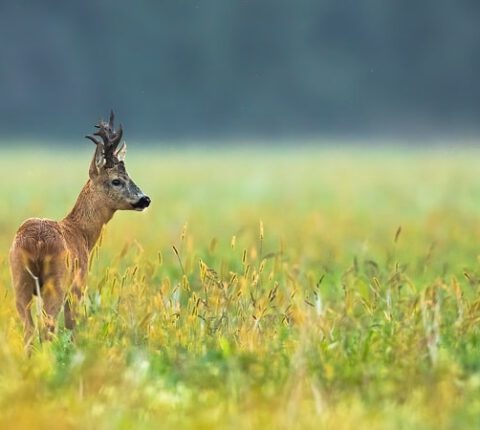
(51, 258)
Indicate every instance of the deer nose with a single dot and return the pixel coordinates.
(144, 202)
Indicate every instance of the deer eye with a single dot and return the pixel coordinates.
(116, 182)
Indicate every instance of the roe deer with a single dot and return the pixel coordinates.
(50, 258)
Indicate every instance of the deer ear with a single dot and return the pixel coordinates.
(100, 157)
(98, 161)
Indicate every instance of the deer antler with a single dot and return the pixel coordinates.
(110, 137)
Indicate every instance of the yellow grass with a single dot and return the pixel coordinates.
(263, 288)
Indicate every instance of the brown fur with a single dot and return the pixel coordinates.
(53, 256)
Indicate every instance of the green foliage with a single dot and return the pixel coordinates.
(262, 288)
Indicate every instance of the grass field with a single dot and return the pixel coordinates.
(312, 289)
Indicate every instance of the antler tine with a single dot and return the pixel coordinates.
(117, 137)
(95, 141)
(107, 131)
(102, 132)
(111, 120)
(110, 137)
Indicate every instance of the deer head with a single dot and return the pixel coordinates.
(107, 170)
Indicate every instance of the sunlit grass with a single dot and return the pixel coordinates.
(276, 288)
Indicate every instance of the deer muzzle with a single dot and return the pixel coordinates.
(142, 203)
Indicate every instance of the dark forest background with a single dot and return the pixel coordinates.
(208, 69)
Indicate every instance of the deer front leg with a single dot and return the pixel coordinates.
(71, 307)
(53, 294)
(73, 300)
(53, 297)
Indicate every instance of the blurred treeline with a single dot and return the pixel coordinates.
(227, 68)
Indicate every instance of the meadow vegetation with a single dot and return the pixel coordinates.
(288, 288)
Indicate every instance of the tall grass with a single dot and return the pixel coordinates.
(276, 288)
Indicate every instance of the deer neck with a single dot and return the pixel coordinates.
(88, 216)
